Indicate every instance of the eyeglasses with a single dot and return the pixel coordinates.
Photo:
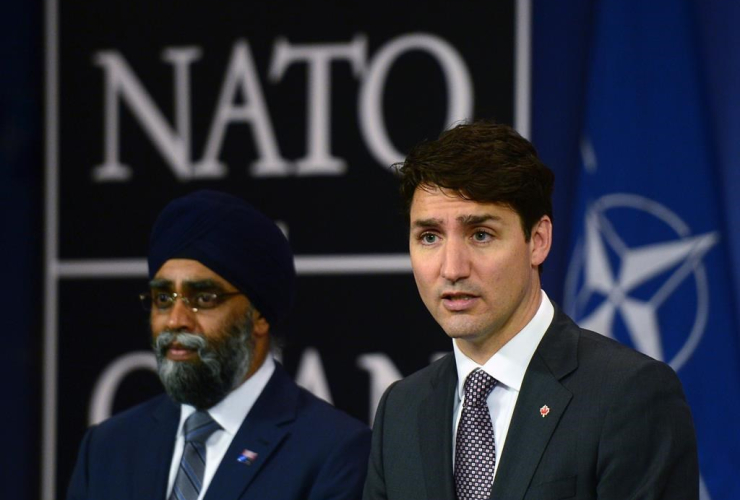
(162, 301)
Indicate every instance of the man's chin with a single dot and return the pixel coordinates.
(463, 328)
(187, 383)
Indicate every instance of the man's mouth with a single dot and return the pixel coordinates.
(178, 352)
(458, 301)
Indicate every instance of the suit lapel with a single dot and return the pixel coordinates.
(435, 429)
(267, 424)
(529, 432)
(156, 446)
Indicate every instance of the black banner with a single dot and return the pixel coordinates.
(298, 107)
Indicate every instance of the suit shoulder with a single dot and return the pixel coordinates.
(588, 358)
(595, 348)
(420, 382)
(134, 417)
(565, 336)
(614, 364)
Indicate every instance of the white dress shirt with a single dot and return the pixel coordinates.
(230, 414)
(507, 366)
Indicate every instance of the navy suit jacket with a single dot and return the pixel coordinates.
(618, 428)
(306, 449)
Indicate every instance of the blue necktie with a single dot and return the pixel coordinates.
(189, 480)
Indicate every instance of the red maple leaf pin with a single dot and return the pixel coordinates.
(544, 411)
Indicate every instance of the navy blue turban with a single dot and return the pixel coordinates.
(234, 240)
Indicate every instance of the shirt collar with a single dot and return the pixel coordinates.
(231, 411)
(509, 364)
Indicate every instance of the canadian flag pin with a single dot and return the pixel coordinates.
(544, 411)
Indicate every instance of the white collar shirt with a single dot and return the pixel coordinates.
(508, 366)
(230, 414)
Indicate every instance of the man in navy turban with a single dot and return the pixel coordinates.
(233, 425)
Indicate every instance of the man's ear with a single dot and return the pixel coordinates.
(261, 326)
(261, 339)
(540, 240)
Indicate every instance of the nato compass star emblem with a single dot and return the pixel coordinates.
(637, 276)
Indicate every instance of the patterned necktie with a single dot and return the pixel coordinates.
(189, 480)
(475, 450)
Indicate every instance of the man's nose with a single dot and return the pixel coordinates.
(455, 261)
(181, 317)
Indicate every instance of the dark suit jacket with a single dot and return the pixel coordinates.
(306, 449)
(618, 428)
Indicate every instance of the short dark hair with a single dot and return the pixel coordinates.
(485, 162)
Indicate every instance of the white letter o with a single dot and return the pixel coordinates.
(101, 403)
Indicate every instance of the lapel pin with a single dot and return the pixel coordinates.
(544, 411)
(247, 457)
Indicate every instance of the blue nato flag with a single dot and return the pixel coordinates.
(649, 258)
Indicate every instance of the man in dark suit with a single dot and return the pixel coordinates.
(528, 405)
(233, 425)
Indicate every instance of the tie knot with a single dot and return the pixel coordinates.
(478, 386)
(199, 426)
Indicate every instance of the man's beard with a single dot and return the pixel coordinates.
(220, 367)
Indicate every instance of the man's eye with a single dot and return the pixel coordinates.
(481, 236)
(205, 300)
(162, 299)
(428, 238)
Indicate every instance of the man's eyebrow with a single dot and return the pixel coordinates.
(204, 284)
(467, 220)
(160, 283)
(426, 223)
(472, 220)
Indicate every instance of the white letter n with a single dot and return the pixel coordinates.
(122, 84)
